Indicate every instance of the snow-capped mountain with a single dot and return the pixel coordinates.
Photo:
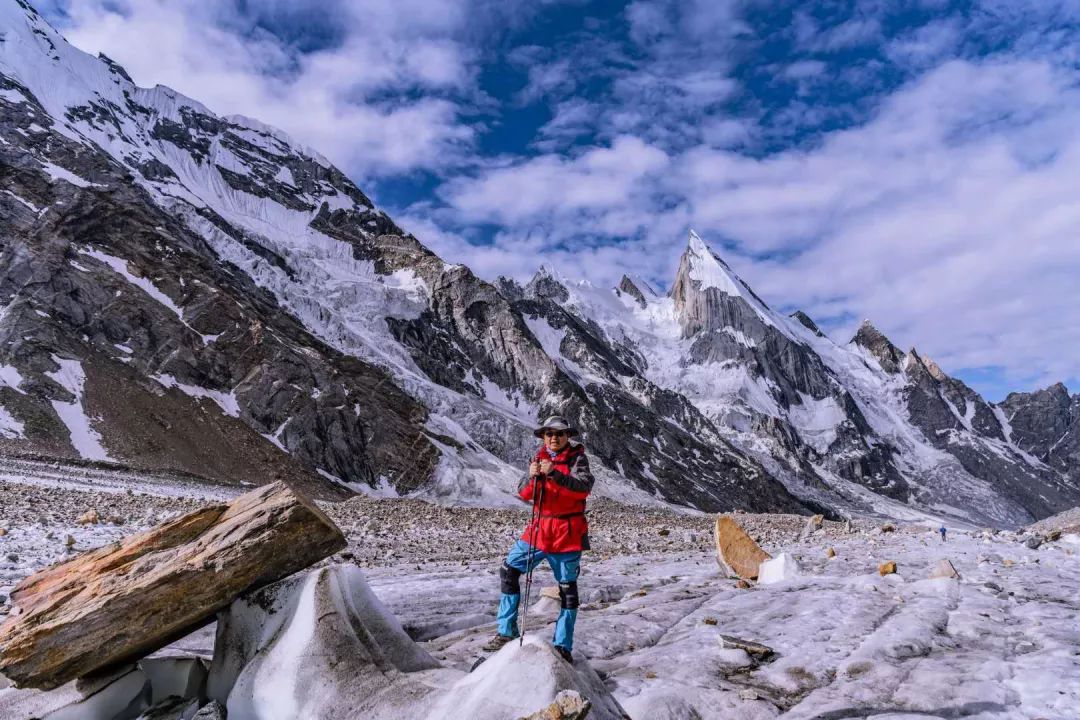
(202, 293)
(860, 427)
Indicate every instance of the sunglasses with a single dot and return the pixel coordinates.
(554, 433)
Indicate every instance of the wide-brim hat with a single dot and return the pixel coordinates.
(555, 422)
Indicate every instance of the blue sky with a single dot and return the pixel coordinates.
(914, 162)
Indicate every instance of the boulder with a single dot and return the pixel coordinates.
(1033, 542)
(813, 524)
(782, 567)
(944, 569)
(736, 552)
(157, 585)
(887, 568)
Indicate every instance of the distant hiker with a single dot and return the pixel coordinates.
(942, 531)
(559, 480)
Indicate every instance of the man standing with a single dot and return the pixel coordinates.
(942, 531)
(558, 483)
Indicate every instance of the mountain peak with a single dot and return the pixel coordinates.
(547, 284)
(807, 322)
(628, 286)
(708, 270)
(874, 341)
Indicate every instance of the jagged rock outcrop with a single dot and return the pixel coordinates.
(1046, 423)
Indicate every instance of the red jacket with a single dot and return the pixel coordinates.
(562, 526)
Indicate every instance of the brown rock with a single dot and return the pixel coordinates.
(1008, 562)
(736, 552)
(157, 585)
(568, 705)
(887, 568)
(830, 553)
(817, 521)
(742, 584)
(3, 532)
(888, 528)
(90, 517)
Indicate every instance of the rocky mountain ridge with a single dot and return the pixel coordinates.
(202, 293)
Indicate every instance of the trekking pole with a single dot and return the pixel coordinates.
(538, 502)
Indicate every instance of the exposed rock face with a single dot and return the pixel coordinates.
(890, 357)
(736, 551)
(627, 286)
(1046, 424)
(157, 585)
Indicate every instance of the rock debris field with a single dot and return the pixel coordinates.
(1002, 641)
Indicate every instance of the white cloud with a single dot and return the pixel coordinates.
(951, 218)
(330, 97)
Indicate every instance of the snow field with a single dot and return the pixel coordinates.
(1001, 643)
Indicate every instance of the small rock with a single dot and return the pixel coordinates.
(748, 694)
(3, 532)
(1054, 535)
(69, 541)
(755, 650)
(90, 517)
(1033, 542)
(830, 553)
(888, 528)
(742, 584)
(944, 569)
(709, 621)
(211, 711)
(1008, 562)
(650, 675)
(13, 557)
(663, 532)
(887, 568)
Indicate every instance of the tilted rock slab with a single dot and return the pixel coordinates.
(735, 550)
(122, 601)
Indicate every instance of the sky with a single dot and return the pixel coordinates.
(913, 162)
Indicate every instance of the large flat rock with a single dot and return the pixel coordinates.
(736, 551)
(122, 601)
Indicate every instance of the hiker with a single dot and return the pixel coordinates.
(942, 531)
(560, 479)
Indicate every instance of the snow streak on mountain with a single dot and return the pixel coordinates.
(201, 293)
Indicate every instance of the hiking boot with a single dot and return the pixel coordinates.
(496, 643)
(564, 654)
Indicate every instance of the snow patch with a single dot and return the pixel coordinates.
(85, 439)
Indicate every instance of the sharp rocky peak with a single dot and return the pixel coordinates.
(890, 357)
(547, 284)
(626, 285)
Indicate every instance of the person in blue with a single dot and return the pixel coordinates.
(559, 481)
(942, 531)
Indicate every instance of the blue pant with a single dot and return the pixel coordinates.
(565, 567)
